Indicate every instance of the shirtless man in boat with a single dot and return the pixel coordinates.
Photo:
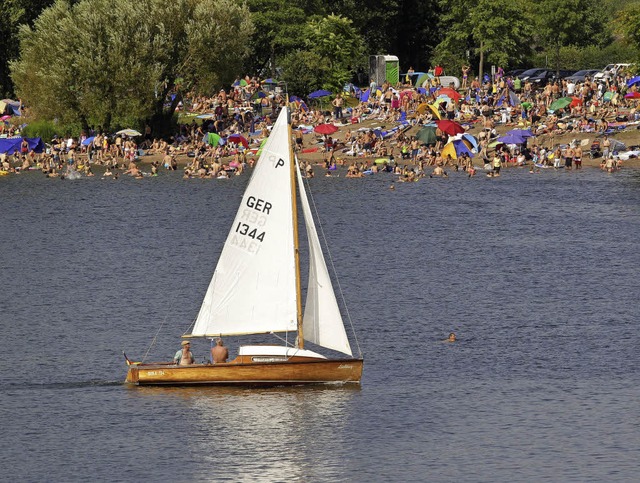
(219, 353)
(184, 356)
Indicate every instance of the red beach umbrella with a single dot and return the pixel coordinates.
(450, 127)
(238, 139)
(452, 93)
(325, 128)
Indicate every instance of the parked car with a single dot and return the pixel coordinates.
(450, 81)
(530, 72)
(541, 77)
(581, 75)
(610, 71)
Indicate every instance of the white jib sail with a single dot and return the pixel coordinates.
(322, 323)
(253, 287)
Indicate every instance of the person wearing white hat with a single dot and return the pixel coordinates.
(184, 356)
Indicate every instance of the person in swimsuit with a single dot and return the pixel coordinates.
(184, 356)
(577, 157)
(219, 353)
(465, 75)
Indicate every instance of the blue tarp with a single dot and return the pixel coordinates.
(11, 145)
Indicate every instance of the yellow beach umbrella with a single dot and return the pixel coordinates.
(452, 148)
(422, 108)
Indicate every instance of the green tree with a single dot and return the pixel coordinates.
(114, 63)
(561, 23)
(279, 29)
(332, 51)
(14, 13)
(627, 23)
(497, 31)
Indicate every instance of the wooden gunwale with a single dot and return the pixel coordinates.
(307, 371)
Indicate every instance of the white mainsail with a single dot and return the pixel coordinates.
(253, 287)
(322, 322)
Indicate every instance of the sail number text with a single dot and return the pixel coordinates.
(246, 230)
(252, 219)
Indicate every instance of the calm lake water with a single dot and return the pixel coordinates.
(536, 274)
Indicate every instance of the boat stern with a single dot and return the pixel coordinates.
(132, 375)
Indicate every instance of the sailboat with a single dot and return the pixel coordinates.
(256, 289)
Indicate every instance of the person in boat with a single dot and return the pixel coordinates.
(184, 356)
(451, 338)
(219, 353)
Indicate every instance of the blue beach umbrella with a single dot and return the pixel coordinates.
(511, 139)
(319, 93)
(523, 133)
(633, 80)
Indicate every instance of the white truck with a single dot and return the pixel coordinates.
(609, 72)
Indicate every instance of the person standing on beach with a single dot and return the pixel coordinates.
(577, 156)
(338, 102)
(497, 164)
(465, 75)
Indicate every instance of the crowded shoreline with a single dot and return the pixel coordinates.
(366, 131)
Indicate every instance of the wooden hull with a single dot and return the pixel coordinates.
(280, 373)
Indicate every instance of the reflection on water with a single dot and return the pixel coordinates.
(287, 431)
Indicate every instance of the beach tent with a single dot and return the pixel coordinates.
(12, 108)
(12, 145)
(212, 139)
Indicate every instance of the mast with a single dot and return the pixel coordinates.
(296, 240)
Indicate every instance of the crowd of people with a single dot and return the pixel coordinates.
(377, 129)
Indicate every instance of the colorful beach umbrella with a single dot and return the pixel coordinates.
(213, 139)
(468, 138)
(326, 128)
(452, 93)
(427, 135)
(422, 108)
(457, 148)
(450, 127)
(238, 139)
(511, 139)
(129, 132)
(633, 80)
(319, 93)
(523, 133)
(560, 103)
(628, 95)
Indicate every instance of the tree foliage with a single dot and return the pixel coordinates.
(498, 29)
(331, 52)
(14, 13)
(112, 63)
(569, 22)
(278, 30)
